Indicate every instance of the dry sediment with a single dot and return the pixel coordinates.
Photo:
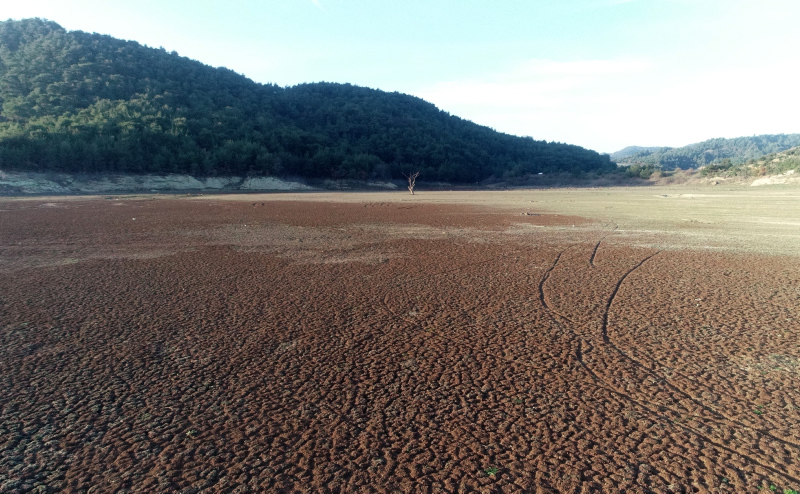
(380, 347)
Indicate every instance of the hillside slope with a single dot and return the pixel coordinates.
(629, 151)
(78, 102)
(771, 164)
(777, 162)
(713, 151)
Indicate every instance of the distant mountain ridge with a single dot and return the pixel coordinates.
(632, 151)
(736, 151)
(85, 103)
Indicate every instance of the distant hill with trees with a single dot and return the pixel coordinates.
(82, 103)
(631, 151)
(770, 164)
(778, 162)
(713, 151)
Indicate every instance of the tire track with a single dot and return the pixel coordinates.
(585, 347)
(554, 315)
(546, 277)
(731, 422)
(594, 253)
(610, 302)
(597, 246)
(722, 418)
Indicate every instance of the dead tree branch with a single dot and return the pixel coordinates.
(412, 180)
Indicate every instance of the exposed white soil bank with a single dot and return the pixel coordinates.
(784, 178)
(59, 183)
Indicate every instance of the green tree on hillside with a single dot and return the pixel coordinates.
(80, 102)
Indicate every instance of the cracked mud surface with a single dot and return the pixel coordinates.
(313, 347)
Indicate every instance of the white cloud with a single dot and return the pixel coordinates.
(609, 104)
(619, 2)
(533, 84)
(580, 67)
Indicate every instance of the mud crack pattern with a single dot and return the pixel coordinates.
(291, 347)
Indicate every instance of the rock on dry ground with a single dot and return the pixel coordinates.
(163, 345)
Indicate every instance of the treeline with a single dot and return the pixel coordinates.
(79, 102)
(629, 151)
(729, 152)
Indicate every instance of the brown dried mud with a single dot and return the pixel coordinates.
(313, 347)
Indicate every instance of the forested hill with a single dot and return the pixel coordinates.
(732, 151)
(79, 102)
(631, 151)
(770, 164)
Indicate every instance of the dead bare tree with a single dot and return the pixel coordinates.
(412, 180)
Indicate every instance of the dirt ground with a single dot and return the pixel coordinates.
(616, 340)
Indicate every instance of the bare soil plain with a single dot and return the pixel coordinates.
(616, 340)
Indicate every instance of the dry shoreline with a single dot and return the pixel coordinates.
(389, 343)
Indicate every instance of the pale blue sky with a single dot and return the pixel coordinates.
(602, 74)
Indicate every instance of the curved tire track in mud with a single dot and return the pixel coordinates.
(594, 253)
(608, 344)
(721, 418)
(597, 246)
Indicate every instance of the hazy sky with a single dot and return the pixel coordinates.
(603, 74)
